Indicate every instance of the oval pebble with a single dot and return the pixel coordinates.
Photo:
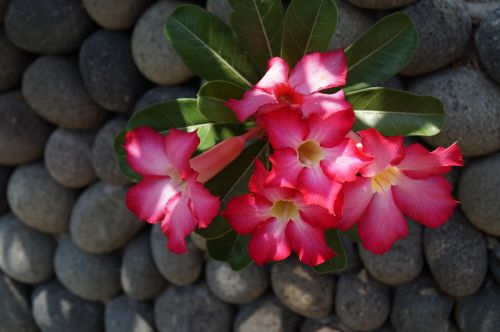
(164, 93)
(328, 324)
(115, 14)
(487, 43)
(13, 62)
(124, 314)
(352, 22)
(381, 4)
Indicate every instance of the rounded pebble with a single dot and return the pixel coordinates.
(495, 267)
(5, 173)
(352, 22)
(13, 62)
(123, 314)
(328, 324)
(115, 14)
(488, 44)
(221, 8)
(480, 9)
(4, 5)
(381, 4)
(164, 93)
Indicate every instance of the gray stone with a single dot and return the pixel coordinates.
(402, 263)
(479, 9)
(457, 256)
(480, 312)
(22, 133)
(183, 269)
(266, 314)
(140, 277)
(389, 328)
(381, 4)
(328, 324)
(53, 88)
(109, 72)
(55, 309)
(352, 22)
(5, 173)
(15, 312)
(420, 306)
(164, 93)
(361, 302)
(38, 201)
(496, 251)
(191, 309)
(488, 44)
(13, 61)
(443, 28)
(4, 5)
(198, 241)
(495, 267)
(237, 287)
(301, 289)
(478, 188)
(92, 277)
(125, 315)
(25, 254)
(68, 157)
(56, 26)
(116, 14)
(154, 56)
(221, 8)
(472, 107)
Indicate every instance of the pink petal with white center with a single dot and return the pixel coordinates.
(427, 201)
(286, 168)
(343, 161)
(318, 189)
(419, 163)
(317, 216)
(269, 243)
(331, 130)
(146, 152)
(180, 146)
(246, 212)
(252, 100)
(178, 223)
(317, 71)
(148, 198)
(277, 73)
(285, 128)
(382, 224)
(204, 205)
(384, 150)
(357, 196)
(324, 104)
(308, 242)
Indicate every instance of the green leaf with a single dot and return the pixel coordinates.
(395, 112)
(231, 248)
(121, 157)
(212, 97)
(258, 24)
(338, 262)
(208, 47)
(352, 234)
(309, 26)
(382, 51)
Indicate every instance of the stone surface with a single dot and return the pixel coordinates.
(22, 133)
(13, 61)
(4, 4)
(5, 173)
(100, 221)
(457, 256)
(181, 269)
(488, 43)
(479, 9)
(381, 4)
(109, 72)
(472, 106)
(266, 314)
(402, 263)
(301, 289)
(328, 324)
(139, 275)
(495, 267)
(154, 56)
(361, 302)
(56, 26)
(55, 309)
(115, 14)
(191, 309)
(443, 28)
(125, 315)
(164, 93)
(221, 8)
(68, 157)
(38, 201)
(237, 287)
(92, 277)
(352, 22)
(53, 88)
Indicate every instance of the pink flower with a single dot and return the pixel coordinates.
(313, 155)
(399, 181)
(314, 72)
(280, 221)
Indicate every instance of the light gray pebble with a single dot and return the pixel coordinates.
(352, 22)
(198, 241)
(164, 93)
(13, 61)
(126, 315)
(116, 14)
(488, 43)
(328, 324)
(381, 4)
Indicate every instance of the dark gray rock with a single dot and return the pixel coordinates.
(4, 5)
(381, 4)
(56, 26)
(55, 309)
(191, 309)
(328, 324)
(116, 14)
(5, 173)
(164, 93)
(183, 269)
(198, 241)
(125, 315)
(109, 72)
(92, 277)
(22, 133)
(495, 267)
(237, 287)
(13, 61)
(361, 302)
(68, 157)
(100, 221)
(479, 9)
(221, 8)
(472, 106)
(457, 256)
(53, 88)
(140, 277)
(420, 306)
(38, 201)
(443, 28)
(301, 289)
(496, 251)
(488, 44)
(156, 58)
(389, 328)
(352, 22)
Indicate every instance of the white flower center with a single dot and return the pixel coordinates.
(385, 179)
(284, 210)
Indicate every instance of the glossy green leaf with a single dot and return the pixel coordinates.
(231, 248)
(338, 262)
(121, 157)
(309, 26)
(212, 97)
(208, 46)
(382, 51)
(395, 112)
(258, 24)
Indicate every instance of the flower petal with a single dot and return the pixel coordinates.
(318, 189)
(308, 242)
(286, 168)
(427, 201)
(146, 152)
(384, 150)
(178, 223)
(324, 104)
(277, 73)
(180, 146)
(269, 243)
(258, 179)
(317, 71)
(331, 130)
(245, 212)
(317, 216)
(357, 196)
(285, 128)
(204, 205)
(250, 103)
